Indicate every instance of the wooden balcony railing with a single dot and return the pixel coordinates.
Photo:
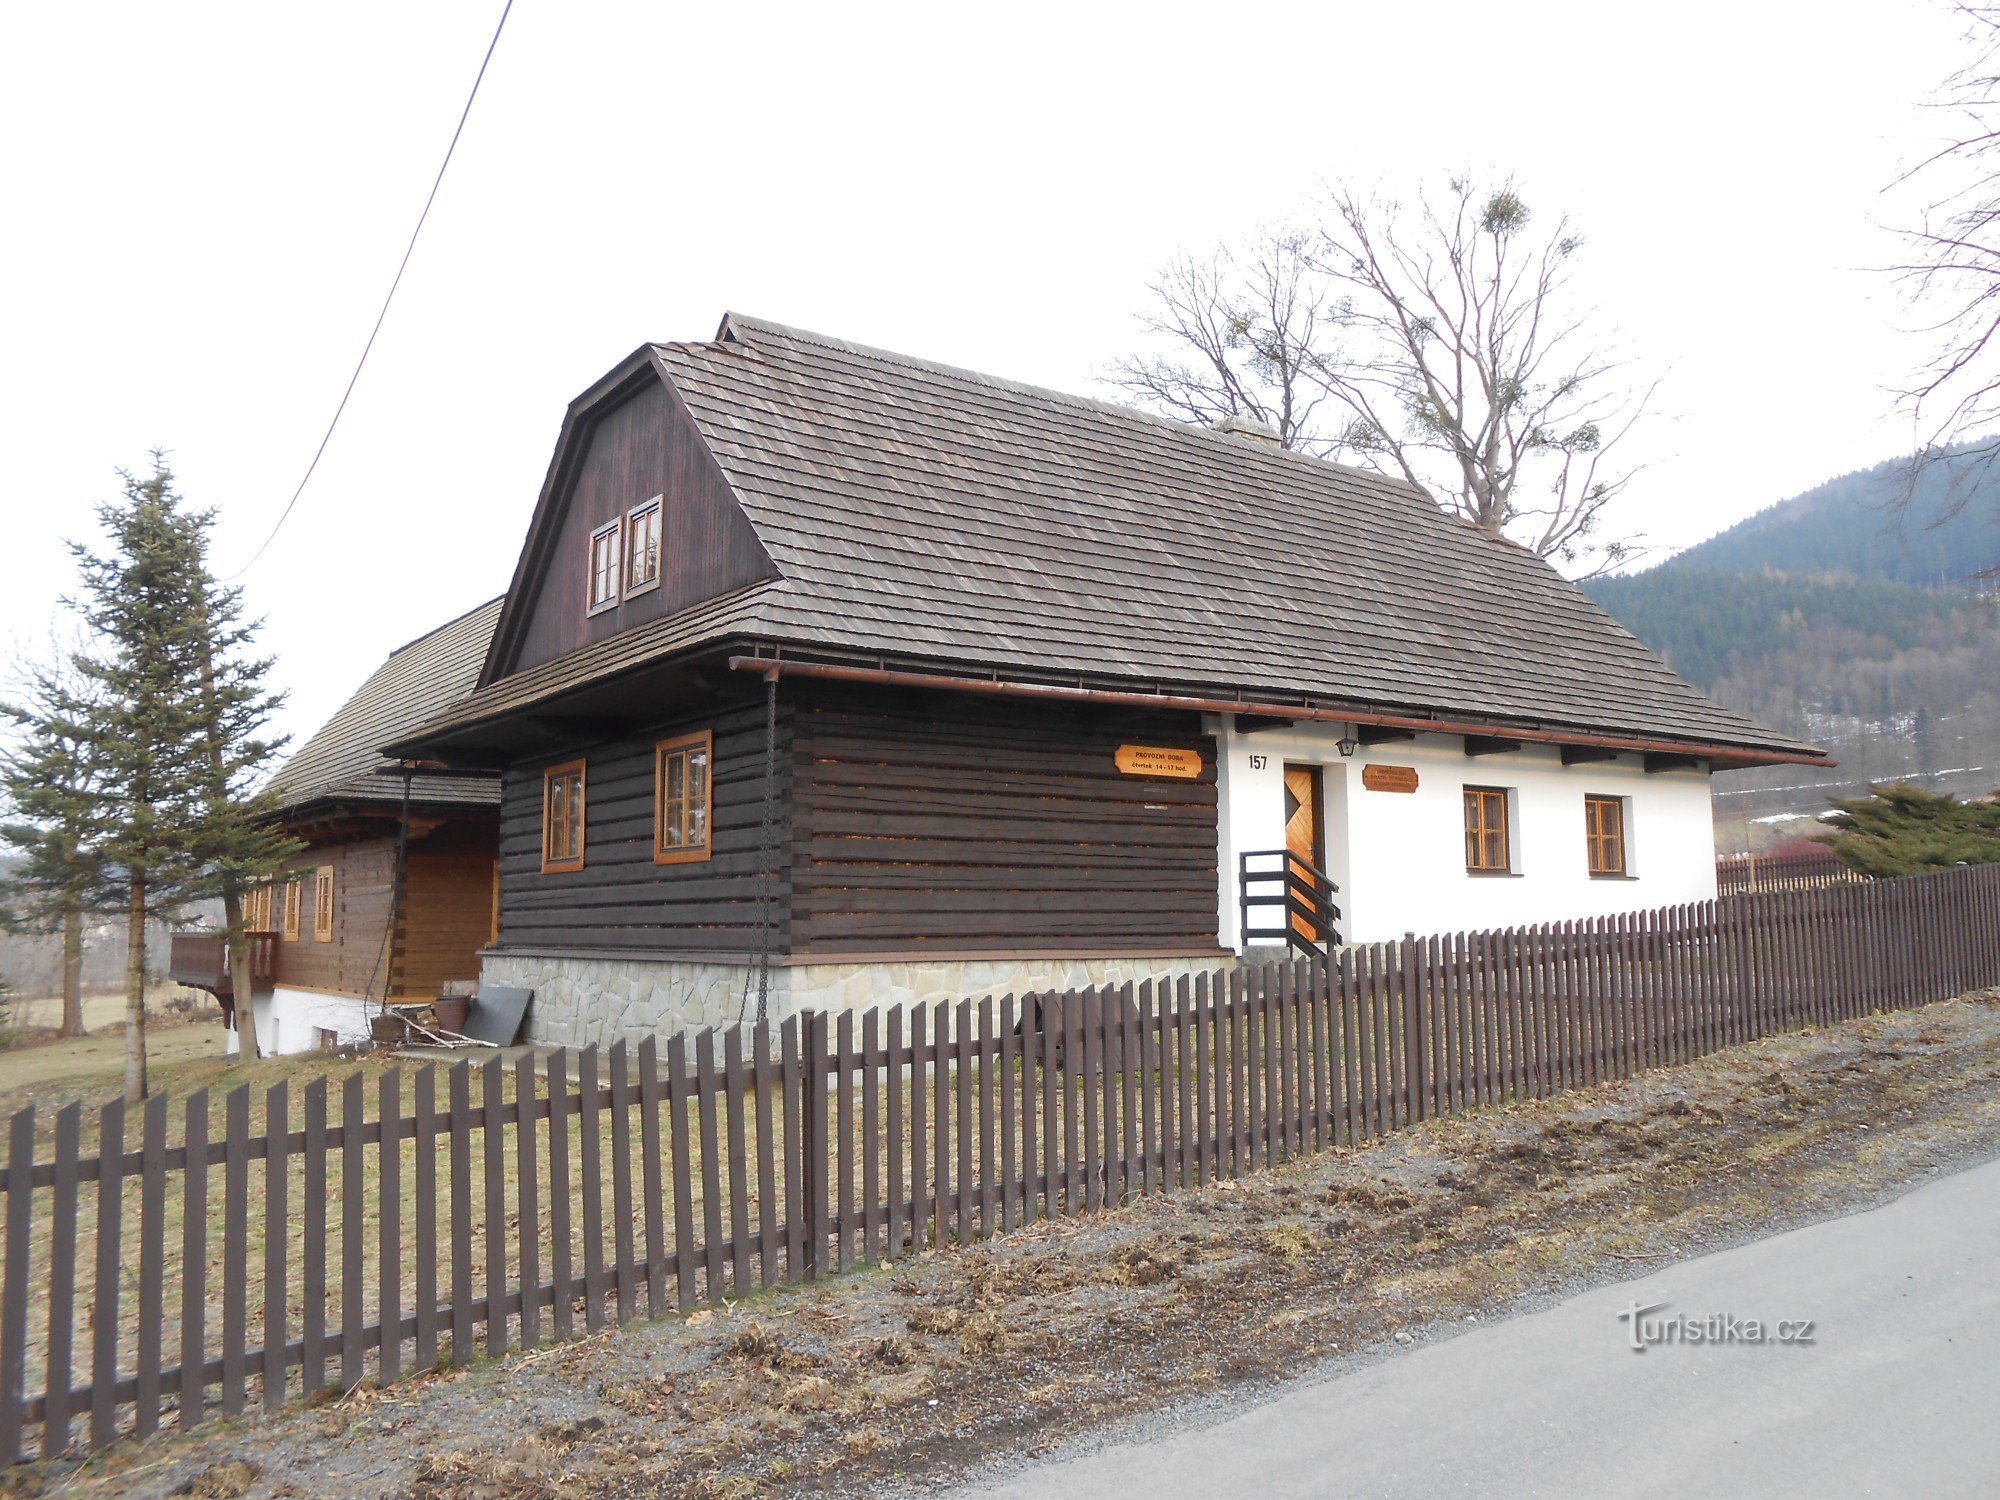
(200, 960)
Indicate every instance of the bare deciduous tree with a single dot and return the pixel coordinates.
(1435, 341)
(1950, 272)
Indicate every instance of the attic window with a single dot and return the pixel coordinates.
(604, 566)
(642, 547)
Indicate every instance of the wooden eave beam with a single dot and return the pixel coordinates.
(1489, 744)
(1251, 723)
(999, 687)
(1381, 734)
(1577, 755)
(1657, 761)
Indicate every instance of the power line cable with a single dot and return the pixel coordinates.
(401, 267)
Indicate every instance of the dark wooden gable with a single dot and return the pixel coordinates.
(628, 439)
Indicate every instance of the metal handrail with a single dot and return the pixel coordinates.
(1305, 892)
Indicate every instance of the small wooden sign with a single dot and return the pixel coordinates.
(1389, 778)
(1157, 760)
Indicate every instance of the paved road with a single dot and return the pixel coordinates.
(1899, 1394)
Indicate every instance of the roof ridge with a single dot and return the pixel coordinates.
(1227, 442)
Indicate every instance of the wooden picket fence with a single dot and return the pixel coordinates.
(505, 1205)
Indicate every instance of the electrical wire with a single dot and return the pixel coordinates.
(401, 267)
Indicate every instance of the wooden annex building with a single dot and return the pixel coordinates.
(338, 942)
(829, 676)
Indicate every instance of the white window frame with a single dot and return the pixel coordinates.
(658, 506)
(615, 530)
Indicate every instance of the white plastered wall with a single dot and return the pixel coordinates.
(1399, 857)
(290, 1021)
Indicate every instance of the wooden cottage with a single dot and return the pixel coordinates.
(830, 676)
(330, 939)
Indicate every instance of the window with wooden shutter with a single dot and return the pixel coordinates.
(292, 894)
(1488, 847)
(323, 904)
(562, 817)
(680, 798)
(604, 566)
(1604, 834)
(642, 547)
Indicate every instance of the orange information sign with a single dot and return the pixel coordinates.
(1389, 778)
(1157, 760)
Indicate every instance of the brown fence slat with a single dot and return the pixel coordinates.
(389, 1238)
(562, 1253)
(892, 1107)
(61, 1375)
(152, 1266)
(844, 1143)
(871, 1135)
(235, 1256)
(277, 1222)
(737, 1093)
(705, 1088)
(194, 1256)
(964, 1047)
(423, 1106)
(768, 1187)
(313, 1243)
(1010, 1097)
(624, 1253)
(527, 1173)
(458, 1122)
(493, 1178)
(988, 1144)
(353, 1165)
(796, 1146)
(14, 1293)
(590, 1170)
(683, 1168)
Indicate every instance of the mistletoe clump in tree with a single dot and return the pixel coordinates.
(1902, 829)
(171, 720)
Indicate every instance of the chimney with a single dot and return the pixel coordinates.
(1249, 427)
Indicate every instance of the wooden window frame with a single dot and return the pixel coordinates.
(562, 864)
(683, 854)
(1477, 834)
(615, 532)
(323, 904)
(1595, 839)
(294, 894)
(657, 506)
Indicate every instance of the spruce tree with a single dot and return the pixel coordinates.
(46, 781)
(174, 721)
(1902, 829)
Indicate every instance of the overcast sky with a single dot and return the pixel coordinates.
(203, 205)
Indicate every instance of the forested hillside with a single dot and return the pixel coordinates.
(1824, 617)
(1856, 525)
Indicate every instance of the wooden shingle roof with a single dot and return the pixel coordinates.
(927, 513)
(419, 681)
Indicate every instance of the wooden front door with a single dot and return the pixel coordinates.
(1305, 833)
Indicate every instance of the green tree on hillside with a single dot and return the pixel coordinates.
(173, 724)
(48, 786)
(1902, 829)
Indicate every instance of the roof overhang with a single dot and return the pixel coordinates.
(1720, 756)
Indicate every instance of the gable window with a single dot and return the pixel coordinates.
(1488, 846)
(680, 797)
(323, 904)
(604, 566)
(642, 547)
(1604, 834)
(562, 817)
(292, 909)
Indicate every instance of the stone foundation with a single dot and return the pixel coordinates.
(580, 1001)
